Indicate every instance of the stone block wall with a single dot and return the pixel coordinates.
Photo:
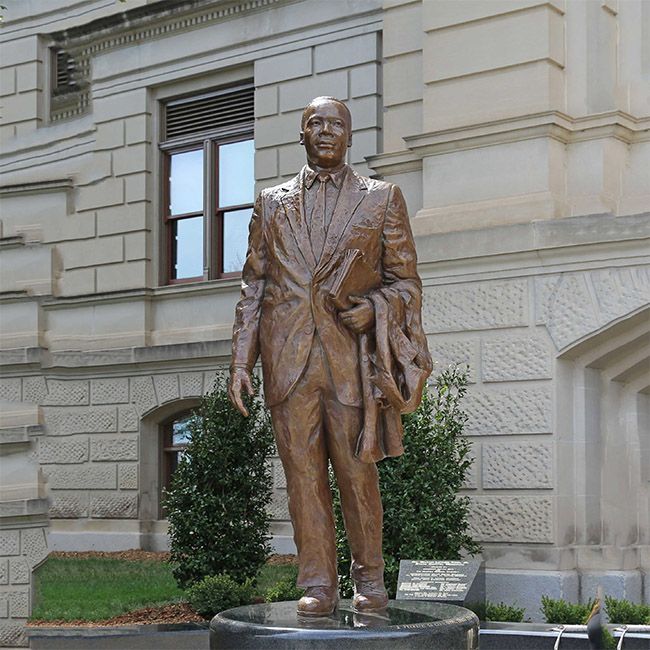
(346, 68)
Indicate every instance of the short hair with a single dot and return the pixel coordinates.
(320, 99)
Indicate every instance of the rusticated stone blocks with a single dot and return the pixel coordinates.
(191, 384)
(122, 448)
(64, 422)
(63, 450)
(109, 391)
(512, 519)
(66, 393)
(127, 476)
(479, 305)
(462, 352)
(100, 476)
(68, 505)
(508, 359)
(517, 465)
(143, 394)
(114, 506)
(513, 411)
(166, 387)
(9, 542)
(129, 420)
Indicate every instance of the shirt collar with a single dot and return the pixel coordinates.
(336, 176)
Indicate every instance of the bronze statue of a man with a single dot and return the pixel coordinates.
(335, 378)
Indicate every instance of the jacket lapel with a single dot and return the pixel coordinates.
(292, 201)
(352, 193)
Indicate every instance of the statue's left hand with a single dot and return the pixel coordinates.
(360, 318)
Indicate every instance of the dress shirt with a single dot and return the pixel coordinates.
(332, 191)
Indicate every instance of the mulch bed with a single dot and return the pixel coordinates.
(173, 613)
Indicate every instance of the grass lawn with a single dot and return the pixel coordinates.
(94, 589)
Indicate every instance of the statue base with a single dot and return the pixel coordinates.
(403, 624)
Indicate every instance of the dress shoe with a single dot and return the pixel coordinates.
(369, 596)
(318, 601)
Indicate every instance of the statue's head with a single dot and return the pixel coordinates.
(326, 131)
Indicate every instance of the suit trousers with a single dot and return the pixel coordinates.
(311, 427)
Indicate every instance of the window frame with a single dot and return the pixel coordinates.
(167, 450)
(213, 215)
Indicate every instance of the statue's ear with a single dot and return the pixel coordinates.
(302, 138)
(350, 140)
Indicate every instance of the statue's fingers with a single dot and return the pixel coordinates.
(248, 385)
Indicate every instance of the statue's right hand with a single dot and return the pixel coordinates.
(239, 378)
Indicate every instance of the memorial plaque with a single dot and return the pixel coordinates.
(444, 580)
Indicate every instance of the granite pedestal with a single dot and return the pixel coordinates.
(402, 625)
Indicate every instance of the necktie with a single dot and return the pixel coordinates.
(318, 229)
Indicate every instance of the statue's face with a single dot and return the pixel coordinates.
(326, 134)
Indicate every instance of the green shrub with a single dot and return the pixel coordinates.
(489, 611)
(214, 594)
(560, 612)
(424, 516)
(216, 505)
(285, 589)
(624, 612)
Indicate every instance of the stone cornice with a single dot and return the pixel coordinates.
(151, 21)
(552, 124)
(41, 187)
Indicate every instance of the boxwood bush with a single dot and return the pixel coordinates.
(425, 517)
(218, 498)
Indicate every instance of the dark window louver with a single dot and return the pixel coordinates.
(64, 68)
(209, 112)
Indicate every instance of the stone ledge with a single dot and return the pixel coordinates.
(13, 435)
(23, 508)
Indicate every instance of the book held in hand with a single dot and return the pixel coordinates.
(353, 277)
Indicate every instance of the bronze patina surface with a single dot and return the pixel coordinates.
(336, 380)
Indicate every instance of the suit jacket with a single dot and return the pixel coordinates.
(284, 297)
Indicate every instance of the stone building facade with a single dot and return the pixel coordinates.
(519, 131)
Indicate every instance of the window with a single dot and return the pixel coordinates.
(208, 155)
(176, 436)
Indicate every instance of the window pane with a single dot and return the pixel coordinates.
(188, 247)
(186, 182)
(236, 174)
(235, 239)
(181, 431)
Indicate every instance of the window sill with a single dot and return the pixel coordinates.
(220, 285)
